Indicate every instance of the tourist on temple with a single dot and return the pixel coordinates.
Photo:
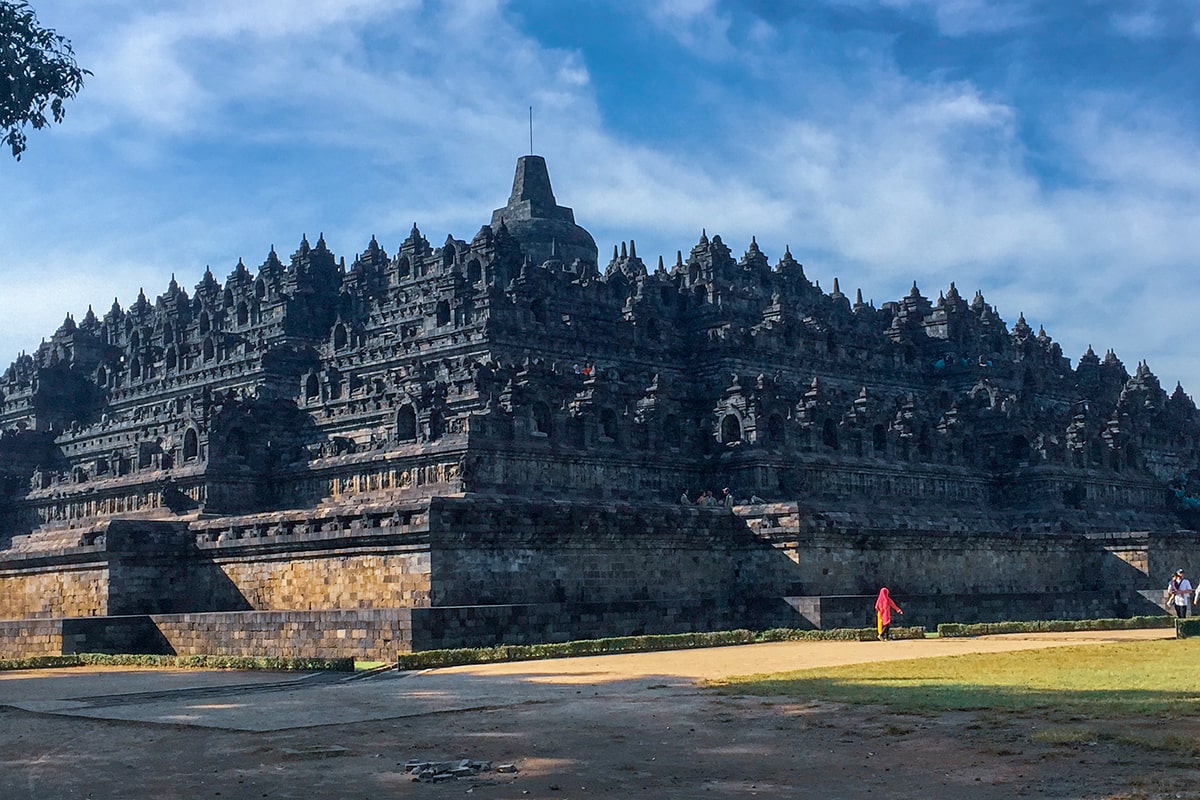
(884, 606)
(1179, 593)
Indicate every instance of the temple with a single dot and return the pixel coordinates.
(488, 441)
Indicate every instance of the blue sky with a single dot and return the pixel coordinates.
(1046, 153)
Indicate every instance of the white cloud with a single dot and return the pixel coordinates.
(213, 131)
(698, 25)
(39, 296)
(175, 69)
(962, 17)
(1120, 141)
(1140, 24)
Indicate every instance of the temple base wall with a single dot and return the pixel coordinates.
(371, 580)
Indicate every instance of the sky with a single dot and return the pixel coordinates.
(1047, 154)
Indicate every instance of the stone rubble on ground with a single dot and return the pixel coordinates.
(437, 771)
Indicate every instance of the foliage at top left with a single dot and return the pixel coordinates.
(37, 74)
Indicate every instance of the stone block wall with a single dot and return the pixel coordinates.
(534, 623)
(854, 479)
(364, 634)
(1169, 551)
(609, 472)
(77, 589)
(364, 580)
(351, 555)
(116, 634)
(24, 638)
(489, 551)
(941, 564)
(324, 559)
(340, 578)
(815, 554)
(148, 563)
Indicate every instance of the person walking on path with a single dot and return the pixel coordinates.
(1179, 593)
(884, 606)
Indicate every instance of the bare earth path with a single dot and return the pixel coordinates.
(627, 726)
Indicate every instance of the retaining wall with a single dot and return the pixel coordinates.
(364, 634)
(22, 638)
(370, 580)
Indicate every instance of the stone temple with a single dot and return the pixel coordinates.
(487, 441)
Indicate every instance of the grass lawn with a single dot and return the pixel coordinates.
(1160, 677)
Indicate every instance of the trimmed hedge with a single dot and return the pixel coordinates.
(957, 629)
(182, 662)
(1187, 628)
(836, 634)
(427, 659)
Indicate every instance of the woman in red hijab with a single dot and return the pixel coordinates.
(884, 606)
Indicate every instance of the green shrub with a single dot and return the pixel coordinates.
(957, 629)
(1187, 628)
(836, 634)
(182, 662)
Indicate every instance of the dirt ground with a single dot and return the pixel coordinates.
(628, 726)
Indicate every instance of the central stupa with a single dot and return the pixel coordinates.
(545, 229)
